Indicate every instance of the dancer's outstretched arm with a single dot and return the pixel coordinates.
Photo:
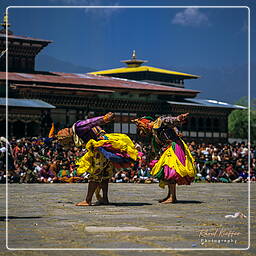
(80, 131)
(85, 125)
(172, 121)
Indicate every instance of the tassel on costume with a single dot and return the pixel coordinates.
(51, 133)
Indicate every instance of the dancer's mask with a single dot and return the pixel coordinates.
(144, 125)
(65, 137)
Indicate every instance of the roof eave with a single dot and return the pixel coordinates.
(117, 71)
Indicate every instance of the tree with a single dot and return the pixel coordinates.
(242, 101)
(253, 126)
(238, 121)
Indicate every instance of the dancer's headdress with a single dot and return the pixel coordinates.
(65, 136)
(144, 125)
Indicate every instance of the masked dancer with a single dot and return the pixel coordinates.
(176, 164)
(104, 153)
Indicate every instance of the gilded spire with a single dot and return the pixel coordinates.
(133, 62)
(134, 55)
(5, 24)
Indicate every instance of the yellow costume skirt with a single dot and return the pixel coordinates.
(170, 168)
(101, 156)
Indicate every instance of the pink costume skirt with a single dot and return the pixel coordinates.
(169, 174)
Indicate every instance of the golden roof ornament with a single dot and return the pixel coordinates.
(133, 62)
(134, 55)
(6, 25)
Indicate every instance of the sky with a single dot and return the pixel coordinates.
(191, 38)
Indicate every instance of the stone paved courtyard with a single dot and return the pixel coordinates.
(44, 216)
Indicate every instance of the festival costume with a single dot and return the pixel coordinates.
(82, 131)
(104, 151)
(111, 151)
(176, 164)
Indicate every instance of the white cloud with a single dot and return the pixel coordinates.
(191, 17)
(105, 12)
(78, 2)
(97, 12)
(245, 27)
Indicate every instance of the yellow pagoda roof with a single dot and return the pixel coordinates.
(141, 69)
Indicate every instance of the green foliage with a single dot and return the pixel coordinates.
(243, 101)
(238, 121)
(253, 126)
(238, 124)
(253, 104)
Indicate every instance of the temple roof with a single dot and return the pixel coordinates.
(143, 69)
(211, 103)
(74, 90)
(134, 65)
(25, 38)
(26, 103)
(6, 26)
(87, 81)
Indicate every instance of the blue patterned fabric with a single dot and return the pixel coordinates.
(113, 157)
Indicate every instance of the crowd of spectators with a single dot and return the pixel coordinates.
(33, 160)
(224, 163)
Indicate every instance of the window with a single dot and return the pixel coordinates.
(224, 135)
(117, 127)
(193, 123)
(133, 127)
(30, 63)
(216, 124)
(193, 134)
(216, 135)
(208, 134)
(10, 62)
(200, 134)
(201, 123)
(208, 124)
(125, 122)
(125, 128)
(23, 63)
(16, 62)
(185, 133)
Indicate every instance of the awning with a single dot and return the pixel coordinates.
(25, 103)
(206, 103)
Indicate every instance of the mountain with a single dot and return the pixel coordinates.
(223, 83)
(227, 84)
(49, 63)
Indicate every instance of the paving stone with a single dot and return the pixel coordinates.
(45, 216)
(114, 229)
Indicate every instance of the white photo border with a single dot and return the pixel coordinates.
(249, 135)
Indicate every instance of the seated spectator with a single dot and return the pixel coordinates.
(26, 172)
(214, 162)
(45, 175)
(252, 175)
(223, 176)
(232, 174)
(144, 176)
(243, 176)
(133, 175)
(55, 166)
(120, 177)
(73, 174)
(213, 173)
(64, 173)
